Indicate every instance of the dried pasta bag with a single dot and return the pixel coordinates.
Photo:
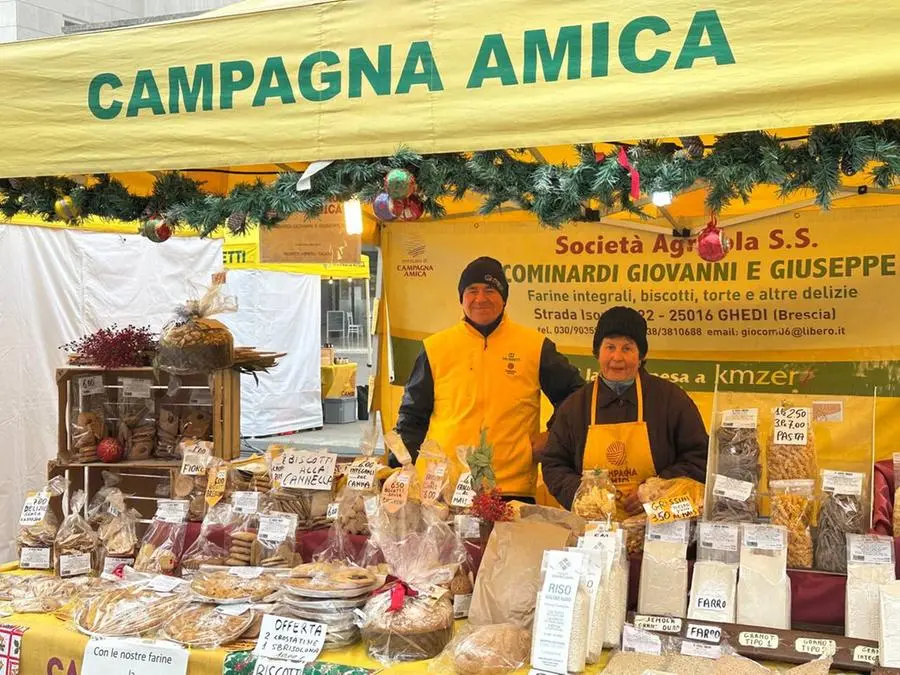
(870, 565)
(664, 570)
(194, 342)
(163, 543)
(87, 417)
(764, 588)
(791, 453)
(559, 640)
(842, 511)
(737, 445)
(595, 499)
(137, 417)
(38, 526)
(76, 542)
(792, 507)
(714, 582)
(497, 649)
(733, 500)
(118, 535)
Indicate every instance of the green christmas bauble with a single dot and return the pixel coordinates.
(399, 183)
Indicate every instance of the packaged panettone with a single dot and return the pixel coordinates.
(87, 416)
(595, 499)
(38, 526)
(76, 542)
(194, 342)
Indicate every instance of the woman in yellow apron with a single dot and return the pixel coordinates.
(629, 422)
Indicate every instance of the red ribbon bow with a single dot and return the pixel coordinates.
(399, 591)
(635, 176)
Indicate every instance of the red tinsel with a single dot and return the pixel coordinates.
(114, 348)
(490, 506)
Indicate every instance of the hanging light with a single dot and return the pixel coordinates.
(353, 216)
(663, 198)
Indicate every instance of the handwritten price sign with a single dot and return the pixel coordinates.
(792, 425)
(670, 509)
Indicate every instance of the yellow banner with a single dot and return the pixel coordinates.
(312, 80)
(796, 311)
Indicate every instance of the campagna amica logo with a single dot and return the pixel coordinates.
(415, 264)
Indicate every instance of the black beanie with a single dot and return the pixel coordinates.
(621, 322)
(484, 270)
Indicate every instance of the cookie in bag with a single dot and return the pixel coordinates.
(118, 535)
(87, 415)
(136, 410)
(163, 544)
(38, 526)
(192, 480)
(76, 543)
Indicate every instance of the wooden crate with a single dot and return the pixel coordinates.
(223, 387)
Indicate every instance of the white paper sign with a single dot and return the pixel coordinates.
(758, 640)
(91, 385)
(434, 481)
(696, 631)
(194, 464)
(266, 666)
(361, 475)
(873, 550)
(277, 527)
(658, 624)
(172, 510)
(636, 640)
(730, 488)
(740, 418)
(815, 646)
(461, 605)
(308, 470)
(464, 495)
(234, 610)
(34, 509)
(163, 584)
(843, 482)
(200, 397)
(866, 655)
(711, 601)
(246, 572)
(334, 509)
(792, 425)
(550, 650)
(35, 559)
(675, 532)
(764, 537)
(719, 536)
(290, 639)
(133, 656)
(246, 503)
(136, 387)
(75, 564)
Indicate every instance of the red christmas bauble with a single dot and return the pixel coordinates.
(163, 232)
(412, 209)
(110, 450)
(712, 244)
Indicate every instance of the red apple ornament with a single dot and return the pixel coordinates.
(712, 244)
(110, 450)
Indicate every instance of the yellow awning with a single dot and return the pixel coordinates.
(297, 81)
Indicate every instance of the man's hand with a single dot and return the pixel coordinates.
(632, 504)
(538, 445)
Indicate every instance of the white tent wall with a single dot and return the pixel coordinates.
(280, 312)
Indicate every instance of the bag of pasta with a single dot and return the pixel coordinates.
(87, 415)
(38, 525)
(595, 498)
(433, 471)
(843, 510)
(76, 542)
(792, 507)
(118, 535)
(792, 452)
(137, 417)
(163, 544)
(195, 343)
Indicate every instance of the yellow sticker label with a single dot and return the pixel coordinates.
(215, 485)
(670, 509)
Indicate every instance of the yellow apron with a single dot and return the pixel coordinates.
(622, 449)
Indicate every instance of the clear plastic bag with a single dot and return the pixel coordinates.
(792, 462)
(843, 510)
(98, 509)
(362, 482)
(192, 480)
(87, 416)
(38, 525)
(433, 470)
(241, 537)
(595, 499)
(251, 474)
(195, 343)
(714, 582)
(612, 596)
(664, 570)
(276, 542)
(196, 423)
(76, 542)
(644, 652)
(870, 565)
(168, 424)
(496, 649)
(209, 546)
(163, 544)
(764, 588)
(130, 611)
(792, 507)
(136, 417)
(118, 535)
(736, 481)
(733, 500)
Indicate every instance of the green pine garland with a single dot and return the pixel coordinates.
(554, 193)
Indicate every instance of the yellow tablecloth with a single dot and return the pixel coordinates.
(339, 380)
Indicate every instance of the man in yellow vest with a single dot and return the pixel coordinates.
(487, 371)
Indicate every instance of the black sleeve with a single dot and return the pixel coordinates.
(559, 379)
(690, 440)
(558, 464)
(416, 407)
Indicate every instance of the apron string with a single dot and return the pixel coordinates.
(594, 401)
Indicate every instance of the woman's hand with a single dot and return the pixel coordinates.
(539, 445)
(632, 504)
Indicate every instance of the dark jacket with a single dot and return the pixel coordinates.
(678, 438)
(558, 380)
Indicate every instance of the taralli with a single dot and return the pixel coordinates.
(330, 577)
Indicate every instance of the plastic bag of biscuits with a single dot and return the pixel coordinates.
(87, 417)
(98, 507)
(211, 546)
(136, 412)
(192, 479)
(361, 481)
(193, 342)
(118, 535)
(38, 525)
(76, 543)
(275, 545)
(163, 544)
(302, 484)
(251, 474)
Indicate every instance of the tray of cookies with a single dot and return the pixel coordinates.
(330, 580)
(129, 611)
(205, 626)
(224, 587)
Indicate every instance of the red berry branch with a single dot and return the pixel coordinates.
(114, 347)
(489, 506)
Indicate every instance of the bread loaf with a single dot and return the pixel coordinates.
(492, 650)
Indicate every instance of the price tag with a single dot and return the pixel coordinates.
(290, 639)
(675, 532)
(370, 506)
(215, 485)
(277, 470)
(792, 425)
(815, 646)
(871, 549)
(730, 488)
(276, 528)
(435, 475)
(689, 648)
(172, 510)
(758, 640)
(468, 527)
(637, 640)
(133, 656)
(246, 503)
(110, 565)
(866, 655)
(35, 559)
(764, 537)
(843, 482)
(658, 624)
(740, 418)
(670, 509)
(696, 631)
(163, 584)
(234, 610)
(719, 536)
(464, 495)
(136, 387)
(308, 470)
(361, 475)
(334, 508)
(34, 509)
(194, 463)
(75, 564)
(91, 385)
(395, 492)
(461, 605)
(197, 447)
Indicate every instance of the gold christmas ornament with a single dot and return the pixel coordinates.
(66, 210)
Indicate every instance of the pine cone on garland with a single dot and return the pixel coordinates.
(693, 145)
(847, 165)
(237, 222)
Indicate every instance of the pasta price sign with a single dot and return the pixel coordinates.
(670, 509)
(792, 425)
